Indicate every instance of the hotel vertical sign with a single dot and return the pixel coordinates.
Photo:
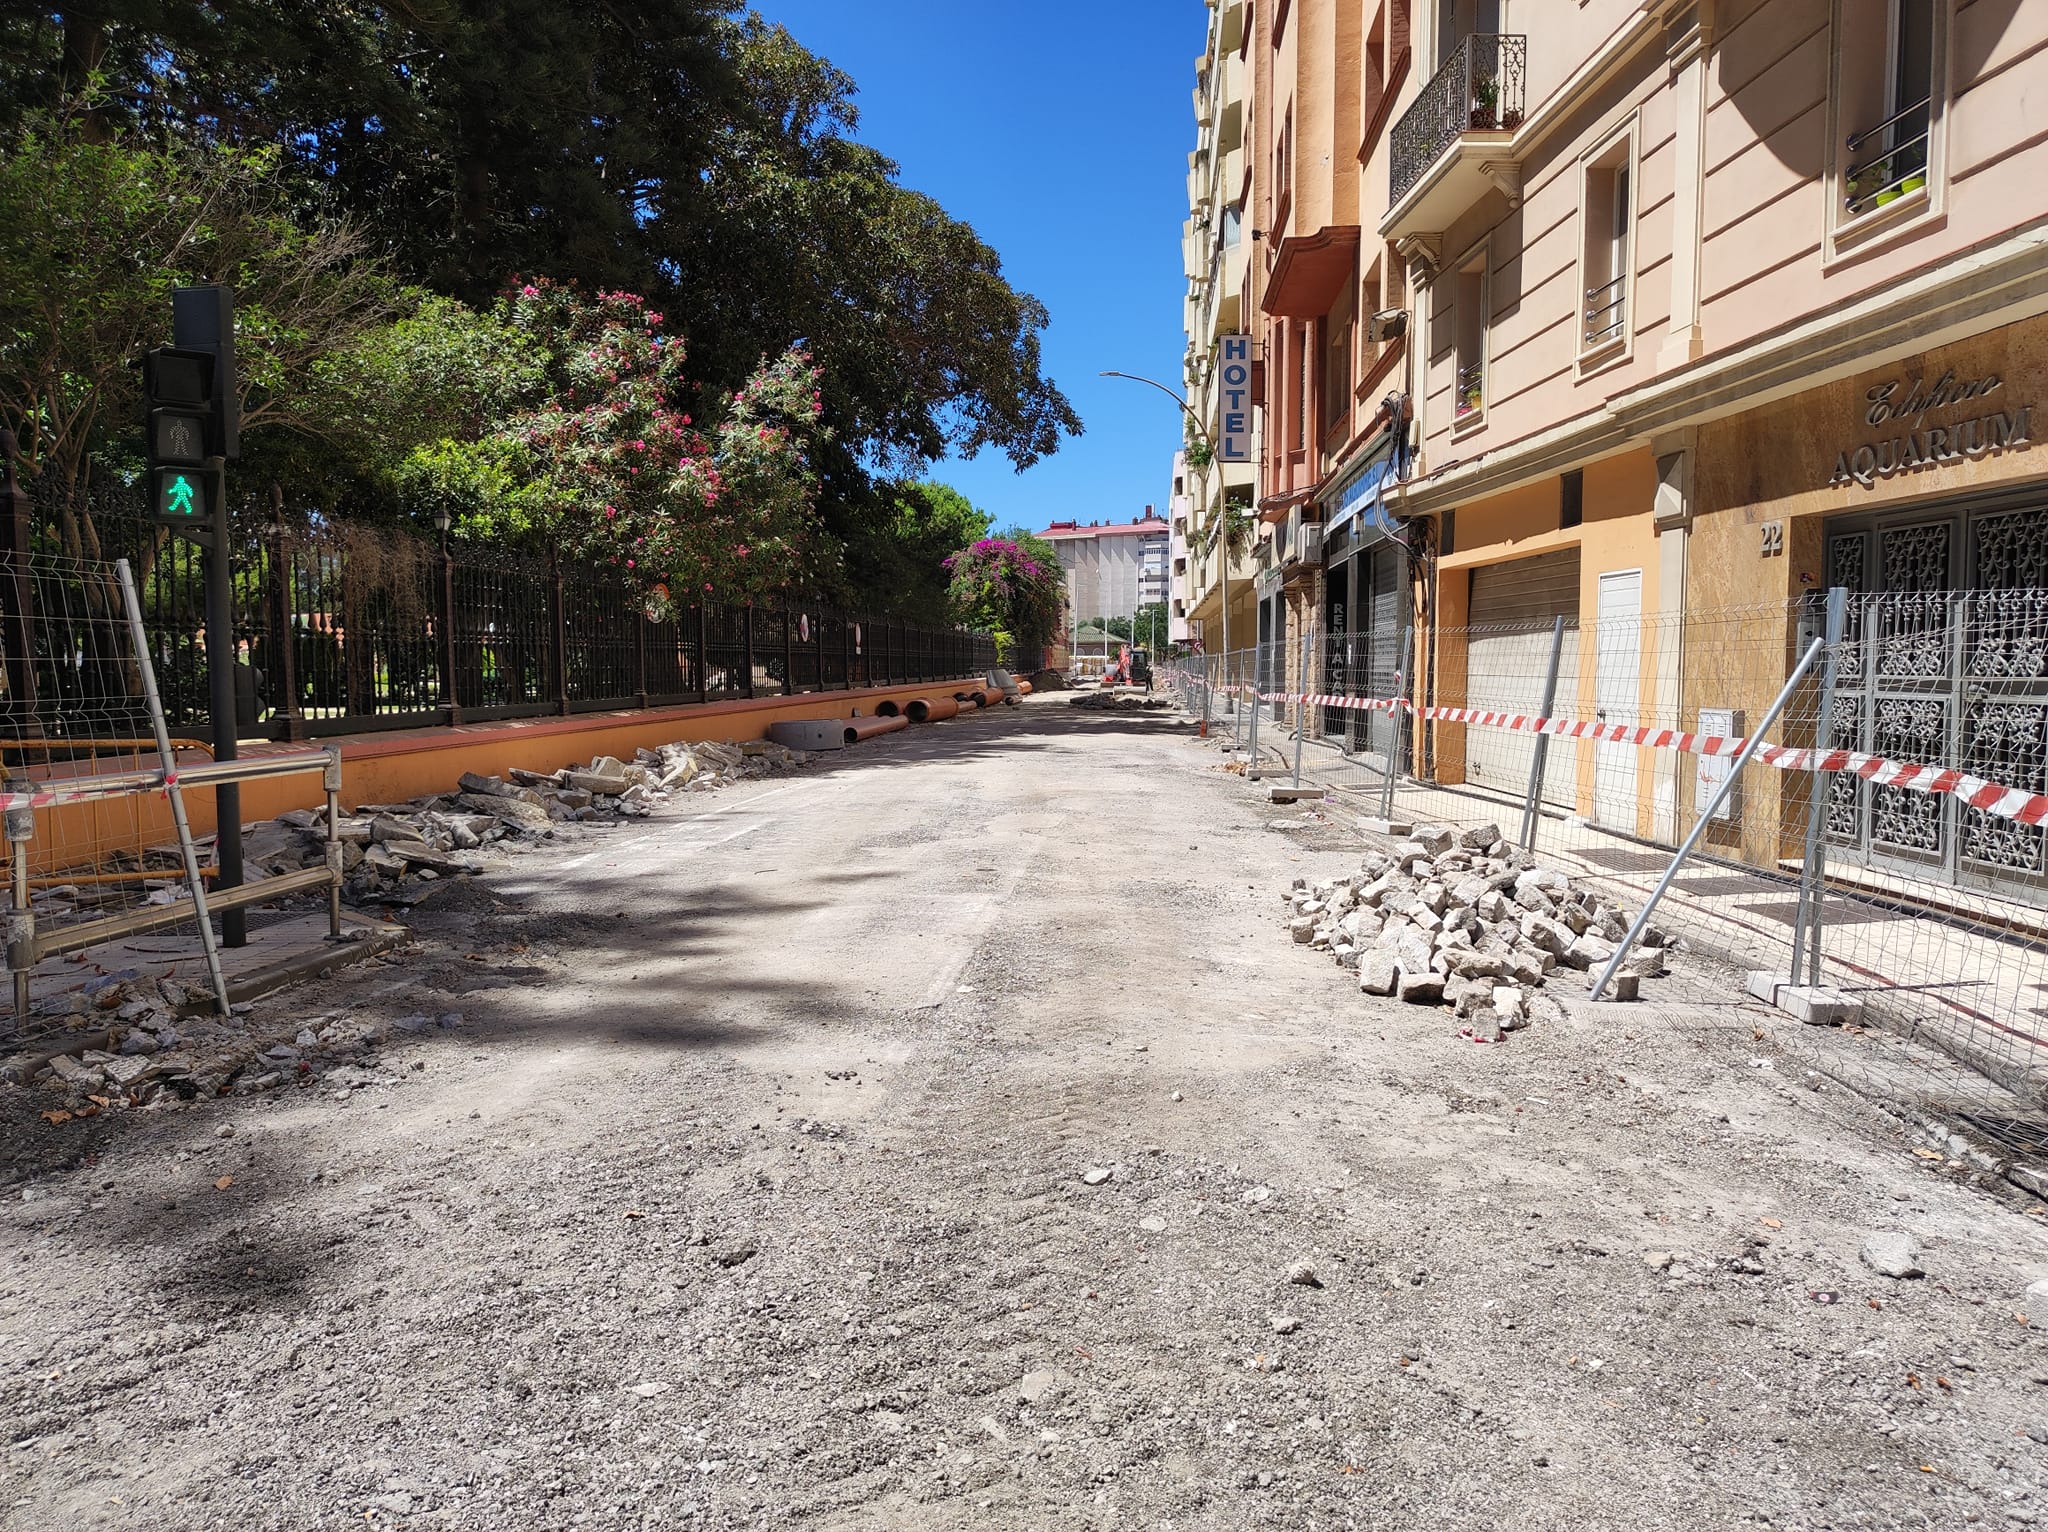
(1235, 443)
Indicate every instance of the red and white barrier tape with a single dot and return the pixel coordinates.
(1990, 797)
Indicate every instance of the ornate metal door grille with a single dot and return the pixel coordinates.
(1946, 663)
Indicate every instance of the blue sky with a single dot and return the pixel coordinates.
(1060, 130)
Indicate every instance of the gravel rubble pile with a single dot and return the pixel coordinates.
(1467, 920)
(392, 853)
(1118, 702)
(126, 1039)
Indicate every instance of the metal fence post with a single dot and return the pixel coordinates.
(330, 782)
(1706, 817)
(1308, 642)
(703, 656)
(1529, 815)
(1812, 867)
(287, 723)
(17, 599)
(21, 929)
(747, 645)
(640, 653)
(176, 794)
(1258, 707)
(445, 620)
(558, 633)
(1397, 736)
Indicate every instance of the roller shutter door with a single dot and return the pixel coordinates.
(1513, 607)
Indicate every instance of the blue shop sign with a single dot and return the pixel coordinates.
(1364, 492)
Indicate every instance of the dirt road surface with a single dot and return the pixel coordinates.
(933, 1141)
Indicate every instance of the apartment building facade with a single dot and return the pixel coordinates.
(1212, 506)
(1633, 312)
(1330, 298)
(1719, 303)
(1113, 568)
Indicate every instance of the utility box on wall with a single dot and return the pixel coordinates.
(1710, 771)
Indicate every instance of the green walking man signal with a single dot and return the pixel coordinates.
(181, 494)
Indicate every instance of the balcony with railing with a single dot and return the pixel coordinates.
(1452, 144)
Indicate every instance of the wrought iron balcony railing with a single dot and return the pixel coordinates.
(1481, 88)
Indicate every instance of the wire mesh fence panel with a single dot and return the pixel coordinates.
(75, 712)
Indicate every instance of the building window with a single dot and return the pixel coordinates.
(1368, 305)
(1571, 508)
(1890, 99)
(1301, 388)
(1468, 328)
(1608, 219)
(1337, 340)
(1283, 171)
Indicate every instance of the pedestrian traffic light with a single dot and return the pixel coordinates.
(181, 495)
(183, 432)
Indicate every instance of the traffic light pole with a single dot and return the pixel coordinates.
(220, 676)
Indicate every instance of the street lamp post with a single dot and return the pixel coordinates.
(1223, 531)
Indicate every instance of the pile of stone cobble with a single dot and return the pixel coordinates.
(393, 853)
(1468, 921)
(156, 1047)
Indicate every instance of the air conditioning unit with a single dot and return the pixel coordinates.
(1307, 547)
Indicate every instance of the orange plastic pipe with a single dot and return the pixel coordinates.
(931, 709)
(887, 708)
(1024, 688)
(859, 729)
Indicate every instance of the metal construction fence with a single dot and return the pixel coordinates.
(1848, 791)
(344, 628)
(90, 857)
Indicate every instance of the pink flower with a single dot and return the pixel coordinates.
(529, 291)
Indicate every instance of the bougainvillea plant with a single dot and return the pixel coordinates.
(621, 470)
(1012, 590)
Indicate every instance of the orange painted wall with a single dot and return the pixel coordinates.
(393, 767)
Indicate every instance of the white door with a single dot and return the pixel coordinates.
(1617, 691)
(1513, 610)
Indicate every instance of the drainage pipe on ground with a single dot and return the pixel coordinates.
(931, 709)
(1023, 688)
(887, 708)
(858, 729)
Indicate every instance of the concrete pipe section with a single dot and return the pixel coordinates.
(811, 734)
(858, 729)
(931, 709)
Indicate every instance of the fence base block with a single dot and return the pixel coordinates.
(1291, 794)
(1398, 828)
(1814, 1004)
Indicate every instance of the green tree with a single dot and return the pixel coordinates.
(93, 237)
(898, 557)
(669, 147)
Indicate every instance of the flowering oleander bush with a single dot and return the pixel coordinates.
(611, 462)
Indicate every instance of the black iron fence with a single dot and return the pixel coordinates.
(344, 628)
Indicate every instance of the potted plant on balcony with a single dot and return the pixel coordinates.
(1470, 398)
(1485, 98)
